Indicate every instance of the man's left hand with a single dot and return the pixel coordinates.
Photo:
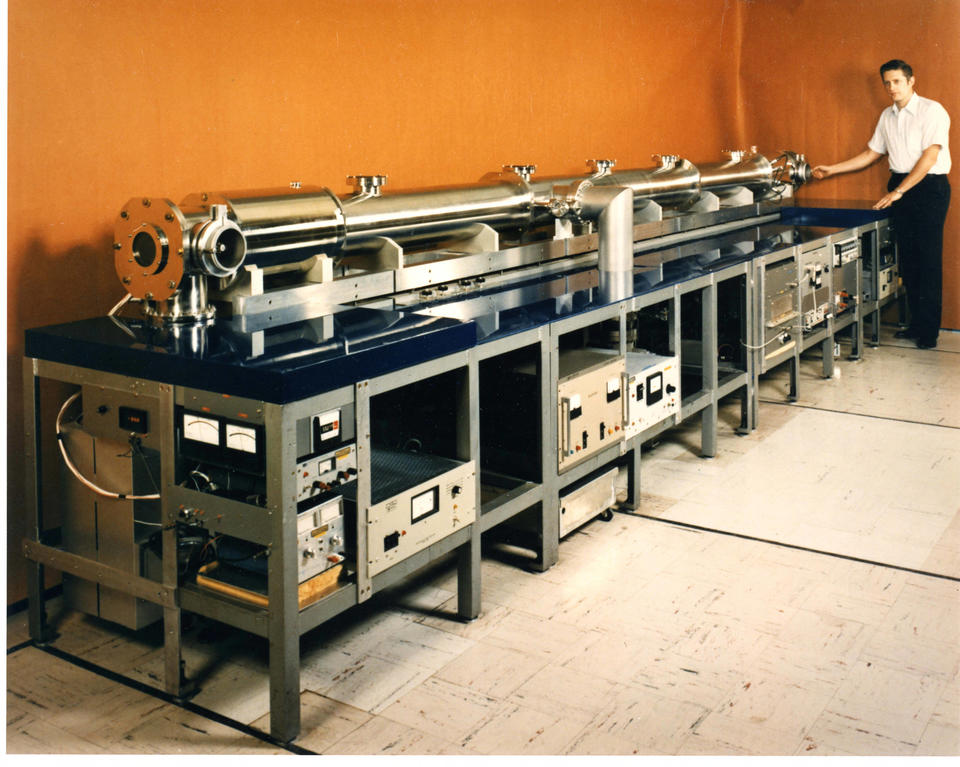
(887, 200)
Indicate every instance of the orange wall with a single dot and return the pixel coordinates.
(110, 99)
(810, 79)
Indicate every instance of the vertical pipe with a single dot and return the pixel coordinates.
(613, 209)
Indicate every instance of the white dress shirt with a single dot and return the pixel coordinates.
(904, 134)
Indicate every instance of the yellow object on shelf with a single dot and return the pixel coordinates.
(310, 591)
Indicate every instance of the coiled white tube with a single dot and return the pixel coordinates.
(76, 472)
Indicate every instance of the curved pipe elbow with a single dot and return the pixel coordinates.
(612, 207)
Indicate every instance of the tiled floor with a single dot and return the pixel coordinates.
(647, 637)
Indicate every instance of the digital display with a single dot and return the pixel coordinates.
(132, 419)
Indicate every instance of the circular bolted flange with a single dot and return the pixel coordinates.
(148, 248)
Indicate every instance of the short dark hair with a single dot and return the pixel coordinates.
(897, 64)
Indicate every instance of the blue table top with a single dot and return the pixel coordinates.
(300, 359)
(297, 360)
(842, 213)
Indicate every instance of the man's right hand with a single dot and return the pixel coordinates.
(822, 171)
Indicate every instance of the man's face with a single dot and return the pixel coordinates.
(898, 86)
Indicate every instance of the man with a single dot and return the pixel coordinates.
(913, 133)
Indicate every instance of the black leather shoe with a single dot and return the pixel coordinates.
(905, 333)
(926, 344)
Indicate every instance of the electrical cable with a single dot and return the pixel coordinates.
(61, 441)
(212, 543)
(120, 305)
(136, 449)
(111, 315)
(795, 546)
(859, 415)
(197, 473)
(762, 346)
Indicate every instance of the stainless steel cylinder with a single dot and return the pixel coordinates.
(615, 247)
(277, 225)
(750, 170)
(674, 182)
(163, 252)
(433, 215)
(612, 209)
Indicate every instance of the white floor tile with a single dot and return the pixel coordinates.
(652, 723)
(381, 736)
(440, 708)
(372, 684)
(888, 699)
(492, 670)
(722, 734)
(323, 722)
(560, 691)
(518, 730)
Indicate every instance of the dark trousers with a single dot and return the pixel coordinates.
(918, 219)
